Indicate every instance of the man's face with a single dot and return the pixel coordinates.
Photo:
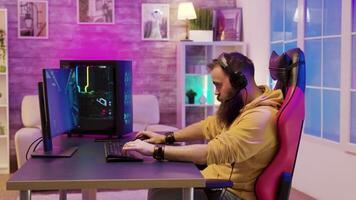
(223, 88)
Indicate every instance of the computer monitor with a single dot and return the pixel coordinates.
(56, 111)
(103, 89)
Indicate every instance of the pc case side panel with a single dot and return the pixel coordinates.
(124, 118)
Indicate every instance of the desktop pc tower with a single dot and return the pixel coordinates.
(103, 96)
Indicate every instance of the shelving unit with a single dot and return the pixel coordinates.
(192, 60)
(4, 97)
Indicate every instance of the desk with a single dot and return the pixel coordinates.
(88, 170)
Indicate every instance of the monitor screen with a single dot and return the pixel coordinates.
(56, 109)
(59, 89)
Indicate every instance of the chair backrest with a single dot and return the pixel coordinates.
(289, 71)
(30, 111)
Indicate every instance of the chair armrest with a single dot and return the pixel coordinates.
(217, 183)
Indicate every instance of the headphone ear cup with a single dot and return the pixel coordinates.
(238, 80)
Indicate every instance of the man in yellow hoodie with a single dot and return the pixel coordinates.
(241, 136)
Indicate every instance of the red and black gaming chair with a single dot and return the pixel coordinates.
(289, 71)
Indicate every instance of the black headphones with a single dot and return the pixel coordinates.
(237, 78)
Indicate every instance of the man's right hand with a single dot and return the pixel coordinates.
(151, 137)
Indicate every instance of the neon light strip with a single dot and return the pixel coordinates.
(87, 85)
(76, 78)
(87, 81)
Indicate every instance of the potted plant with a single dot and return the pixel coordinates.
(2, 52)
(191, 95)
(201, 28)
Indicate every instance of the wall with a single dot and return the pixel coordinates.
(256, 35)
(154, 62)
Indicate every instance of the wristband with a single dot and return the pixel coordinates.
(158, 152)
(170, 138)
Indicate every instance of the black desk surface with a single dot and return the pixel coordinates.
(87, 169)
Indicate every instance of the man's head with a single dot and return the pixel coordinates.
(231, 74)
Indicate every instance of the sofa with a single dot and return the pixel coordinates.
(146, 116)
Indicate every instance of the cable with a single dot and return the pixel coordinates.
(31, 146)
(223, 193)
(34, 148)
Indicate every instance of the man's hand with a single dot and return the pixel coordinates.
(151, 137)
(138, 146)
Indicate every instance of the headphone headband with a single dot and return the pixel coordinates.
(237, 78)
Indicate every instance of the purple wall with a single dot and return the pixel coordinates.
(154, 62)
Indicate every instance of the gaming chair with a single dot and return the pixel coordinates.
(289, 71)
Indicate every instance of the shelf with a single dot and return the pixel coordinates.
(215, 43)
(192, 74)
(196, 74)
(200, 105)
(4, 169)
(4, 99)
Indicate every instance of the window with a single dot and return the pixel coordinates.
(323, 48)
(352, 138)
(284, 19)
(283, 25)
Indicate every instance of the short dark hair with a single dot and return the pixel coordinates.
(235, 61)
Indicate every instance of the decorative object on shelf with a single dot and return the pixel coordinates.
(202, 99)
(96, 12)
(2, 50)
(191, 96)
(33, 19)
(201, 28)
(155, 21)
(2, 129)
(186, 12)
(228, 24)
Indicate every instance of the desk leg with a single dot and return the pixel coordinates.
(25, 195)
(188, 193)
(62, 194)
(89, 194)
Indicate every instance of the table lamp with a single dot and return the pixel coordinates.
(186, 12)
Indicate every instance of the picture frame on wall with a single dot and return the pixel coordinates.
(155, 21)
(32, 19)
(96, 11)
(228, 24)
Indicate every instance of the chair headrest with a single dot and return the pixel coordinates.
(286, 68)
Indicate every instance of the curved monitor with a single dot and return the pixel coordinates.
(56, 111)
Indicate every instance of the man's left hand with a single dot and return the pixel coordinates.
(138, 146)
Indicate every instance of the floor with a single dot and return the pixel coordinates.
(127, 194)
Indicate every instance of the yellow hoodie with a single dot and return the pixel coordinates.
(247, 146)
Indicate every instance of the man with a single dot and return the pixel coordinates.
(241, 136)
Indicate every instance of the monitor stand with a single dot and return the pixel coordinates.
(55, 153)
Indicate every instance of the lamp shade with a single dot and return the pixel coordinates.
(186, 11)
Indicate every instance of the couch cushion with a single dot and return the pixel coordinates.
(30, 111)
(145, 109)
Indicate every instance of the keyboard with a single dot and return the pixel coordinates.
(113, 153)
